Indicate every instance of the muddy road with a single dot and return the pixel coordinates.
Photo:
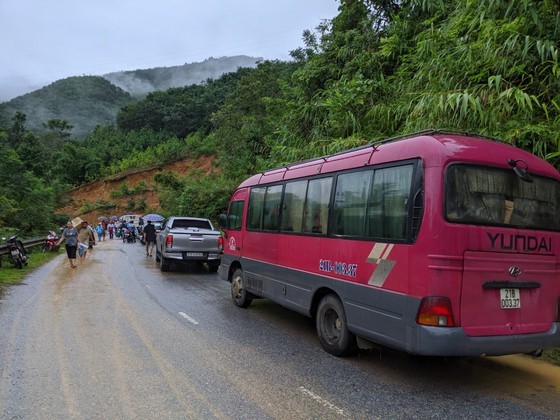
(116, 338)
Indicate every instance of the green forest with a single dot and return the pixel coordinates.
(380, 68)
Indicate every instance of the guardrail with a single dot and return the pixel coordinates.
(27, 244)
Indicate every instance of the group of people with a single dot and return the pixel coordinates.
(79, 239)
(115, 228)
(106, 227)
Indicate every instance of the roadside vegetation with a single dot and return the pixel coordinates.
(552, 355)
(10, 275)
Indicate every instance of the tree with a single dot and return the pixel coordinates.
(17, 130)
(33, 155)
(246, 123)
(180, 111)
(60, 126)
(25, 202)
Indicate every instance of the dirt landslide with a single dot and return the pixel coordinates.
(91, 194)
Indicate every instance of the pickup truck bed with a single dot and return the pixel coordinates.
(184, 239)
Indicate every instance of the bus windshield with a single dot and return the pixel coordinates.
(490, 196)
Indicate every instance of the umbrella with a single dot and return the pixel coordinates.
(102, 218)
(114, 218)
(152, 217)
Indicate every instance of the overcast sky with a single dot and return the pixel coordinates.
(42, 41)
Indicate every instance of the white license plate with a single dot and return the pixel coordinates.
(15, 252)
(194, 254)
(510, 299)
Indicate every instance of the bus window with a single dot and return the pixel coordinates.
(352, 191)
(264, 208)
(256, 207)
(235, 215)
(497, 196)
(316, 210)
(388, 206)
(373, 204)
(271, 214)
(294, 200)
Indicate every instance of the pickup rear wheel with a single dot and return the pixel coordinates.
(239, 295)
(164, 263)
(213, 266)
(333, 332)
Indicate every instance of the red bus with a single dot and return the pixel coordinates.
(436, 243)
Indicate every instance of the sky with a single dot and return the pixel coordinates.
(42, 41)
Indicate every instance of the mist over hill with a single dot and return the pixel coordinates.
(84, 102)
(88, 101)
(141, 82)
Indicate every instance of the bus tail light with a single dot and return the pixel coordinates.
(435, 311)
(221, 243)
(169, 241)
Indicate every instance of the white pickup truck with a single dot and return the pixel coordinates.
(184, 239)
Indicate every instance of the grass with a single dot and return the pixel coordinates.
(552, 355)
(9, 274)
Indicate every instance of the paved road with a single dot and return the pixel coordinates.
(116, 338)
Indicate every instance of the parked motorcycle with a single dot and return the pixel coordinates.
(17, 254)
(50, 242)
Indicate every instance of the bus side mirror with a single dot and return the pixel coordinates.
(222, 221)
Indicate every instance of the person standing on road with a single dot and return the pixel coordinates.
(70, 238)
(100, 231)
(111, 229)
(85, 236)
(149, 238)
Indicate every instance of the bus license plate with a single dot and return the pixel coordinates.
(194, 254)
(510, 299)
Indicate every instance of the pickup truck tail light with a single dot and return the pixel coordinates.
(169, 241)
(220, 243)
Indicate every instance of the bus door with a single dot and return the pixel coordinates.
(234, 240)
(507, 293)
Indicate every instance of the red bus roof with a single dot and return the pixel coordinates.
(435, 148)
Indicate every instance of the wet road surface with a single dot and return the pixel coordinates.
(116, 338)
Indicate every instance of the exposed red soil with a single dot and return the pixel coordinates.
(100, 191)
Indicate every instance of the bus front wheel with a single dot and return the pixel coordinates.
(239, 294)
(332, 329)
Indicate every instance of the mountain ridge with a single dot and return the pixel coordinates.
(141, 82)
(88, 101)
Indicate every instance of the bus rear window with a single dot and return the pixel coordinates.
(490, 196)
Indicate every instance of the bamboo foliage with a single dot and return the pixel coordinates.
(383, 68)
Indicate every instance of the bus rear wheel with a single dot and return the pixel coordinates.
(239, 294)
(332, 329)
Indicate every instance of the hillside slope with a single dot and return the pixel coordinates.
(84, 102)
(90, 195)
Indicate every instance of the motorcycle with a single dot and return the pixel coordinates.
(50, 242)
(128, 237)
(17, 254)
